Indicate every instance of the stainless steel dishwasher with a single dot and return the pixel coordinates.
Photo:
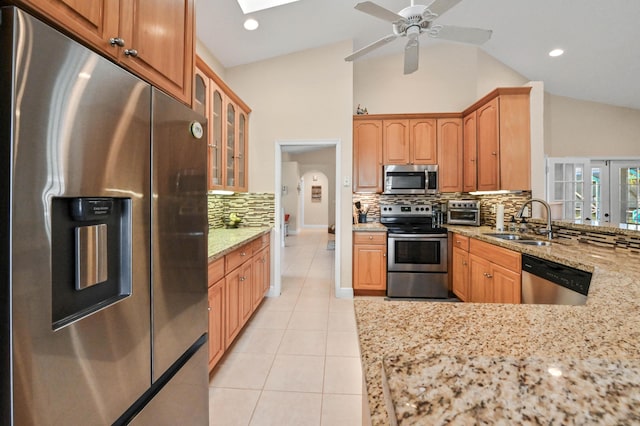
(546, 282)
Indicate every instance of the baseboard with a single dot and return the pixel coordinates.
(344, 293)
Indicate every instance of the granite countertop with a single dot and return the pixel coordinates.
(596, 346)
(369, 227)
(223, 241)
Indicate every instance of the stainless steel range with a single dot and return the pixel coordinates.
(417, 252)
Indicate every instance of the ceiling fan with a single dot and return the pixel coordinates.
(414, 20)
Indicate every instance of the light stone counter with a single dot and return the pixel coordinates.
(369, 227)
(599, 343)
(223, 241)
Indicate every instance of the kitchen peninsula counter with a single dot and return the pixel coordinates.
(225, 240)
(431, 354)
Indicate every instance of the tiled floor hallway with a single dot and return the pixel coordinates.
(297, 361)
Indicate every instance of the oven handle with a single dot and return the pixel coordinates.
(417, 237)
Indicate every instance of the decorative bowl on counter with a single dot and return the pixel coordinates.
(233, 221)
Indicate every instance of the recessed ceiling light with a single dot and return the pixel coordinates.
(250, 24)
(250, 6)
(556, 52)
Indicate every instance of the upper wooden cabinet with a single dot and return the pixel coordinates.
(367, 156)
(409, 141)
(503, 141)
(228, 138)
(152, 39)
(484, 148)
(450, 154)
(488, 147)
(469, 156)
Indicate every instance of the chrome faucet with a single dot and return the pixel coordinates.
(547, 230)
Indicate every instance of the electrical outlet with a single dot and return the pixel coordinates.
(346, 182)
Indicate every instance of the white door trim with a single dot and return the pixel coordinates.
(276, 288)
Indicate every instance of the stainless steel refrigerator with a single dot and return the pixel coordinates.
(103, 293)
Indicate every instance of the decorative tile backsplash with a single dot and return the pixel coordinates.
(512, 203)
(255, 209)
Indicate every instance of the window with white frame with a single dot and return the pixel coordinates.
(594, 189)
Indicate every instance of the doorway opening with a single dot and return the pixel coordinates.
(282, 199)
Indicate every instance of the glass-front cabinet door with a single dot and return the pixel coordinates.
(241, 170)
(216, 143)
(200, 93)
(228, 123)
(230, 164)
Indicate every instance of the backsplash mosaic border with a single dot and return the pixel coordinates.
(255, 209)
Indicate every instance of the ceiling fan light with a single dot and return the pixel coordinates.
(556, 52)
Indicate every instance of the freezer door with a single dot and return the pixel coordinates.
(179, 230)
(78, 127)
(184, 400)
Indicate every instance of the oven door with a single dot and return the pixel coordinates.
(463, 216)
(417, 253)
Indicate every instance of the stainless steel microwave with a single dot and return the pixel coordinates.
(410, 179)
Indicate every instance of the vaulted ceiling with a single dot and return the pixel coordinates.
(601, 39)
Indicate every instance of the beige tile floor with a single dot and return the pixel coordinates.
(297, 362)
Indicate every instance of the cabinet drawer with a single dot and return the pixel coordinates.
(216, 271)
(370, 238)
(260, 243)
(461, 242)
(237, 257)
(495, 254)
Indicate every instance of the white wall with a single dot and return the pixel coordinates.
(445, 81)
(493, 73)
(303, 96)
(316, 213)
(323, 160)
(210, 59)
(575, 128)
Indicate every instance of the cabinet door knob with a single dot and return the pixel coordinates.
(131, 52)
(384, 254)
(464, 263)
(488, 275)
(243, 254)
(458, 242)
(116, 41)
(370, 237)
(494, 153)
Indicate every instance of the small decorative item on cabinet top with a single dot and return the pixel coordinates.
(361, 110)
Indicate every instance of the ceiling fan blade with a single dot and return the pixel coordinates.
(363, 51)
(378, 11)
(411, 55)
(461, 34)
(439, 7)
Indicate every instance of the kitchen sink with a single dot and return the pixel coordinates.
(508, 236)
(534, 242)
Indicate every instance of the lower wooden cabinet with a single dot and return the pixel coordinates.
(237, 285)
(495, 273)
(261, 276)
(246, 302)
(216, 323)
(370, 262)
(233, 307)
(460, 266)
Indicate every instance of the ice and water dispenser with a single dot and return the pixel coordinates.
(91, 256)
